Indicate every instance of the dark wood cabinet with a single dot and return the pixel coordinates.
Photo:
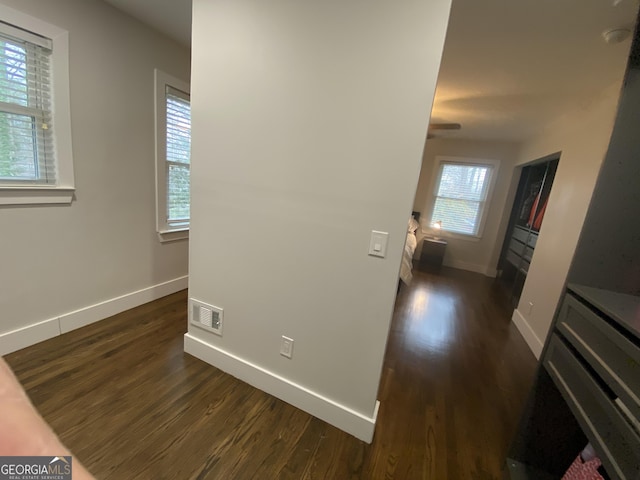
(589, 376)
(432, 254)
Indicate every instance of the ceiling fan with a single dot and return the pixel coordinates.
(433, 127)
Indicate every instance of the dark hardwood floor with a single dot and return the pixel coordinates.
(130, 404)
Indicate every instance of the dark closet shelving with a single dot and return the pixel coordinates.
(526, 218)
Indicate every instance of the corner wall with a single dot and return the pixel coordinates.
(309, 120)
(582, 137)
(101, 254)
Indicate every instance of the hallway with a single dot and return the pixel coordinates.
(456, 375)
(130, 404)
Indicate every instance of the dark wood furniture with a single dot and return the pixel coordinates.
(432, 254)
(592, 360)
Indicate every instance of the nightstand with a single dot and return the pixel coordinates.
(432, 253)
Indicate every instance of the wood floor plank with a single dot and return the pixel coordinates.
(302, 454)
(130, 404)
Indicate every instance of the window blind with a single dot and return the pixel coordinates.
(460, 197)
(178, 157)
(26, 135)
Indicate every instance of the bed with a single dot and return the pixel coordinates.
(409, 248)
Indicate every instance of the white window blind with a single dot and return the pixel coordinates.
(178, 156)
(460, 196)
(26, 135)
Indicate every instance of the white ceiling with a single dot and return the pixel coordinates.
(509, 66)
(172, 17)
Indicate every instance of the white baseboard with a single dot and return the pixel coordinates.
(491, 272)
(340, 416)
(471, 267)
(93, 313)
(38, 332)
(535, 344)
(29, 335)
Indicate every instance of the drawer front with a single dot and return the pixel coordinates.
(533, 239)
(516, 246)
(614, 357)
(520, 234)
(528, 254)
(513, 258)
(603, 423)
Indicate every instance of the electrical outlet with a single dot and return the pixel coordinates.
(286, 347)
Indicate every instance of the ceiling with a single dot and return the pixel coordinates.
(509, 66)
(171, 17)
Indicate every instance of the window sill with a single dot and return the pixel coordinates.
(36, 195)
(451, 236)
(167, 236)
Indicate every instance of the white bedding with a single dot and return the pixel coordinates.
(407, 258)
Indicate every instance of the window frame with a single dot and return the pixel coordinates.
(62, 190)
(162, 80)
(440, 161)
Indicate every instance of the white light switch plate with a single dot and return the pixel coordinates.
(378, 244)
(286, 347)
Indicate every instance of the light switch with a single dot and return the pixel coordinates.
(378, 244)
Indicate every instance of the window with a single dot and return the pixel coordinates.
(36, 163)
(26, 143)
(460, 195)
(173, 157)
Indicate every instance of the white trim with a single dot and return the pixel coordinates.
(38, 332)
(491, 272)
(471, 267)
(22, 34)
(61, 111)
(173, 235)
(93, 313)
(29, 335)
(36, 195)
(340, 416)
(163, 80)
(535, 344)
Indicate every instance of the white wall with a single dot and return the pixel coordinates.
(583, 138)
(309, 120)
(59, 259)
(473, 254)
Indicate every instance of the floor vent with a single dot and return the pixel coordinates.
(206, 316)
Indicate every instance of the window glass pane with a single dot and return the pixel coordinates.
(178, 157)
(178, 130)
(466, 182)
(18, 151)
(13, 73)
(26, 137)
(459, 216)
(178, 200)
